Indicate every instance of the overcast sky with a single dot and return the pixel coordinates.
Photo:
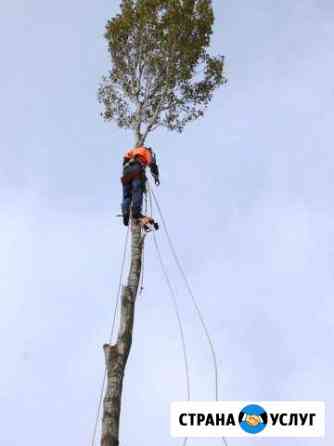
(247, 192)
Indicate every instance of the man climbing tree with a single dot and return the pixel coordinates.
(134, 181)
(161, 76)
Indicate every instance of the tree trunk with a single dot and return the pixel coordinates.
(116, 355)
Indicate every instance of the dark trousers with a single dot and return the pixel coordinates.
(133, 193)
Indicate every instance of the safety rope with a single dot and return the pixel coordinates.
(171, 290)
(118, 297)
(176, 310)
(142, 272)
(194, 300)
(175, 306)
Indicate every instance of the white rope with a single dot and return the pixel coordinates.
(193, 299)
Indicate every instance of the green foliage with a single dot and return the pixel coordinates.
(162, 74)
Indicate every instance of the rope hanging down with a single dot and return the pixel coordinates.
(142, 272)
(175, 306)
(178, 316)
(176, 310)
(118, 297)
(191, 294)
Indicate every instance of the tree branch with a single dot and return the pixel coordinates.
(155, 116)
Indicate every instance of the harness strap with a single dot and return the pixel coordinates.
(132, 169)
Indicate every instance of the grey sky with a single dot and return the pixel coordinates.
(248, 195)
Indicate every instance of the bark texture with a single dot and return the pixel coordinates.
(116, 355)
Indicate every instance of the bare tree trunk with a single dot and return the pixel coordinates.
(116, 355)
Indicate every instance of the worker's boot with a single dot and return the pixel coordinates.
(126, 218)
(147, 223)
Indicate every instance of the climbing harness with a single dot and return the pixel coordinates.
(131, 170)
